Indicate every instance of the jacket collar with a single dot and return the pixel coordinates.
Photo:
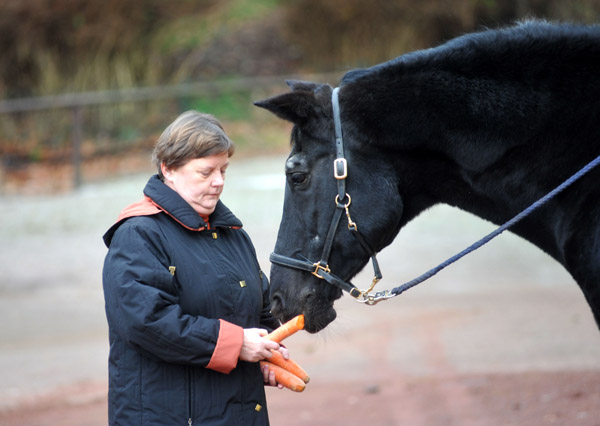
(171, 203)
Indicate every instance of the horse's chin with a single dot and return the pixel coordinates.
(317, 308)
(316, 318)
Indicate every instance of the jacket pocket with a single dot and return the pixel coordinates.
(163, 393)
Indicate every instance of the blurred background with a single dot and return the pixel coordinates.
(130, 66)
(86, 87)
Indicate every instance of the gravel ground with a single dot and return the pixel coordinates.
(503, 337)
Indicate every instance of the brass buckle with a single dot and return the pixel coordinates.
(344, 171)
(318, 266)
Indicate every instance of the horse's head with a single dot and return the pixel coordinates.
(310, 203)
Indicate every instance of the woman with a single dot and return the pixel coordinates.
(186, 302)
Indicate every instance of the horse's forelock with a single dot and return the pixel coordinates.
(296, 140)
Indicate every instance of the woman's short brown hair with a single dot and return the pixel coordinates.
(192, 135)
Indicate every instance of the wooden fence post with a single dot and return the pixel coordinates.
(76, 136)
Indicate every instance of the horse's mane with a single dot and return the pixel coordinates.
(476, 50)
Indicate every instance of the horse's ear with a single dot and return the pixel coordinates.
(296, 107)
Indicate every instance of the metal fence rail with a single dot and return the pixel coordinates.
(76, 102)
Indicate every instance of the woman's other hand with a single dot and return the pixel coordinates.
(269, 375)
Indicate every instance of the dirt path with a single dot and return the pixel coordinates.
(520, 399)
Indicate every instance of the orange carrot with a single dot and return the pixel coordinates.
(287, 329)
(284, 377)
(289, 365)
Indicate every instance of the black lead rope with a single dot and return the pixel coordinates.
(539, 203)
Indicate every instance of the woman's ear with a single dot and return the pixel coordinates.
(166, 172)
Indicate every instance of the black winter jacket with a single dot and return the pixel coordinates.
(178, 294)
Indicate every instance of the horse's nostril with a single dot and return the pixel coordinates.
(277, 302)
(308, 296)
(307, 299)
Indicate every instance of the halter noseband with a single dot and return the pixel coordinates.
(321, 269)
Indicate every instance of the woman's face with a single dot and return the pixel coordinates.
(199, 181)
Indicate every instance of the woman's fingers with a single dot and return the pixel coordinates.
(269, 377)
(255, 347)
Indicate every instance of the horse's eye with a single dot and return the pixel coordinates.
(298, 178)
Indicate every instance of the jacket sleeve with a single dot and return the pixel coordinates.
(142, 305)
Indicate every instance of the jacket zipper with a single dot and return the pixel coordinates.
(189, 396)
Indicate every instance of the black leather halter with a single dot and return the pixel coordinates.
(321, 269)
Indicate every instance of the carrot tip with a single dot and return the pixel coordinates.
(300, 322)
(287, 329)
(285, 377)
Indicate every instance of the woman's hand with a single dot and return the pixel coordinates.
(284, 351)
(268, 375)
(255, 347)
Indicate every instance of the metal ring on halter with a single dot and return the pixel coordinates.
(351, 224)
(337, 200)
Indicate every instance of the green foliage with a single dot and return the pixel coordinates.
(341, 34)
(36, 39)
(110, 44)
(244, 10)
(225, 105)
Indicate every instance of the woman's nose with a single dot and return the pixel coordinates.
(219, 179)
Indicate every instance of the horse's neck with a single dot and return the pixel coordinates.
(484, 99)
(461, 140)
(493, 141)
(487, 145)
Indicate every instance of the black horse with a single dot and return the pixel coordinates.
(488, 122)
